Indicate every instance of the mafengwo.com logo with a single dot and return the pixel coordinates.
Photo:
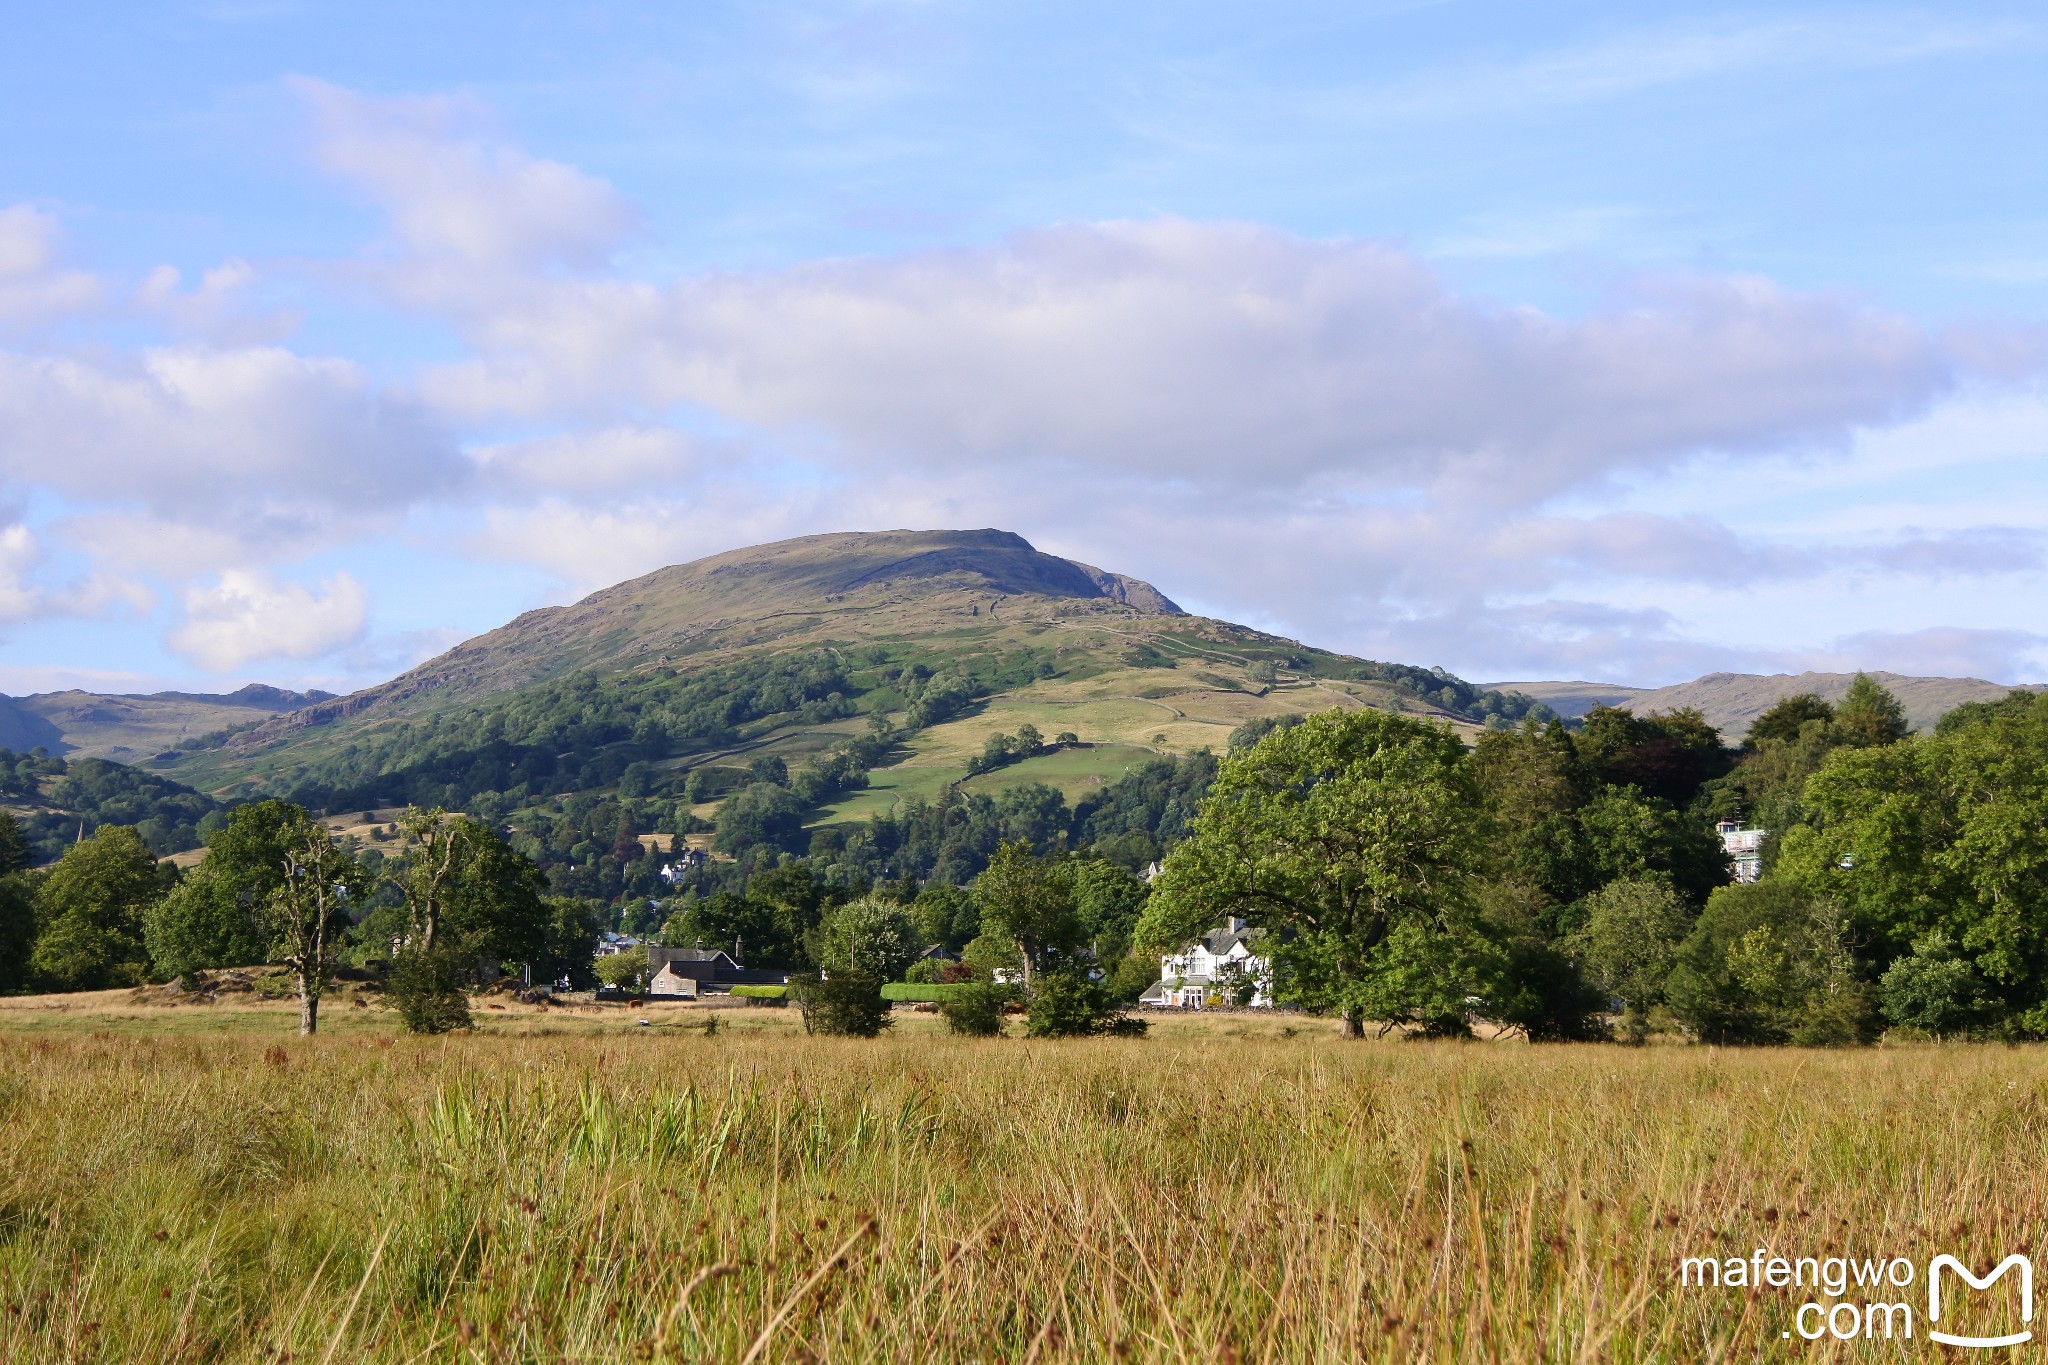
(1875, 1298)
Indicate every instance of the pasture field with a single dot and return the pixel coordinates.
(195, 1183)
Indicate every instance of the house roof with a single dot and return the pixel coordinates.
(689, 954)
(1221, 942)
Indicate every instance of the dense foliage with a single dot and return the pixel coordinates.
(453, 907)
(1547, 878)
(67, 800)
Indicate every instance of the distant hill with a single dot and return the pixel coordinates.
(1050, 642)
(1731, 701)
(131, 727)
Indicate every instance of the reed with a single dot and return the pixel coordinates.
(219, 1194)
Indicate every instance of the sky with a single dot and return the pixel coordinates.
(1593, 341)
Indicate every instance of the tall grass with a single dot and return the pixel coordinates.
(745, 1197)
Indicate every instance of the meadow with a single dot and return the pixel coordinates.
(197, 1184)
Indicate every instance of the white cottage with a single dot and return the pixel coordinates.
(1744, 847)
(1217, 969)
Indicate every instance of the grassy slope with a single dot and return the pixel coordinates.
(195, 1184)
(1124, 717)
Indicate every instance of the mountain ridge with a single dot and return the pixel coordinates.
(127, 726)
(1731, 702)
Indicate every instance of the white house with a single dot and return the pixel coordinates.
(1745, 849)
(1216, 969)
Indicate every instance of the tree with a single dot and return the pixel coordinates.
(626, 971)
(17, 930)
(1935, 989)
(307, 912)
(571, 947)
(1869, 716)
(1633, 929)
(1350, 838)
(15, 853)
(465, 885)
(1666, 755)
(469, 899)
(17, 906)
(1024, 903)
(426, 988)
(845, 1004)
(1770, 962)
(747, 927)
(1069, 1004)
(975, 1010)
(1943, 832)
(945, 916)
(1783, 721)
(869, 935)
(1628, 835)
(90, 908)
(212, 918)
(763, 813)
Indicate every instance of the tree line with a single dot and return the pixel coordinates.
(456, 907)
(1571, 885)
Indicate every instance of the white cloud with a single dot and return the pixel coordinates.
(34, 286)
(25, 593)
(1943, 652)
(1227, 353)
(613, 461)
(256, 441)
(248, 615)
(462, 199)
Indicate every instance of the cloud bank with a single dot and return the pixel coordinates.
(1320, 435)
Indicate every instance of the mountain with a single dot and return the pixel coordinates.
(811, 590)
(128, 727)
(793, 648)
(1731, 701)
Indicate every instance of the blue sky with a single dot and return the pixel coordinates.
(1617, 341)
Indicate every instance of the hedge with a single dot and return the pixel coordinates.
(761, 992)
(906, 992)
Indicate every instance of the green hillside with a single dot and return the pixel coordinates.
(859, 674)
(55, 801)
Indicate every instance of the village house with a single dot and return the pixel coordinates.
(691, 972)
(1223, 967)
(681, 866)
(1745, 849)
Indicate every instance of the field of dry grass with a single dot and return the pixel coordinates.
(196, 1184)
